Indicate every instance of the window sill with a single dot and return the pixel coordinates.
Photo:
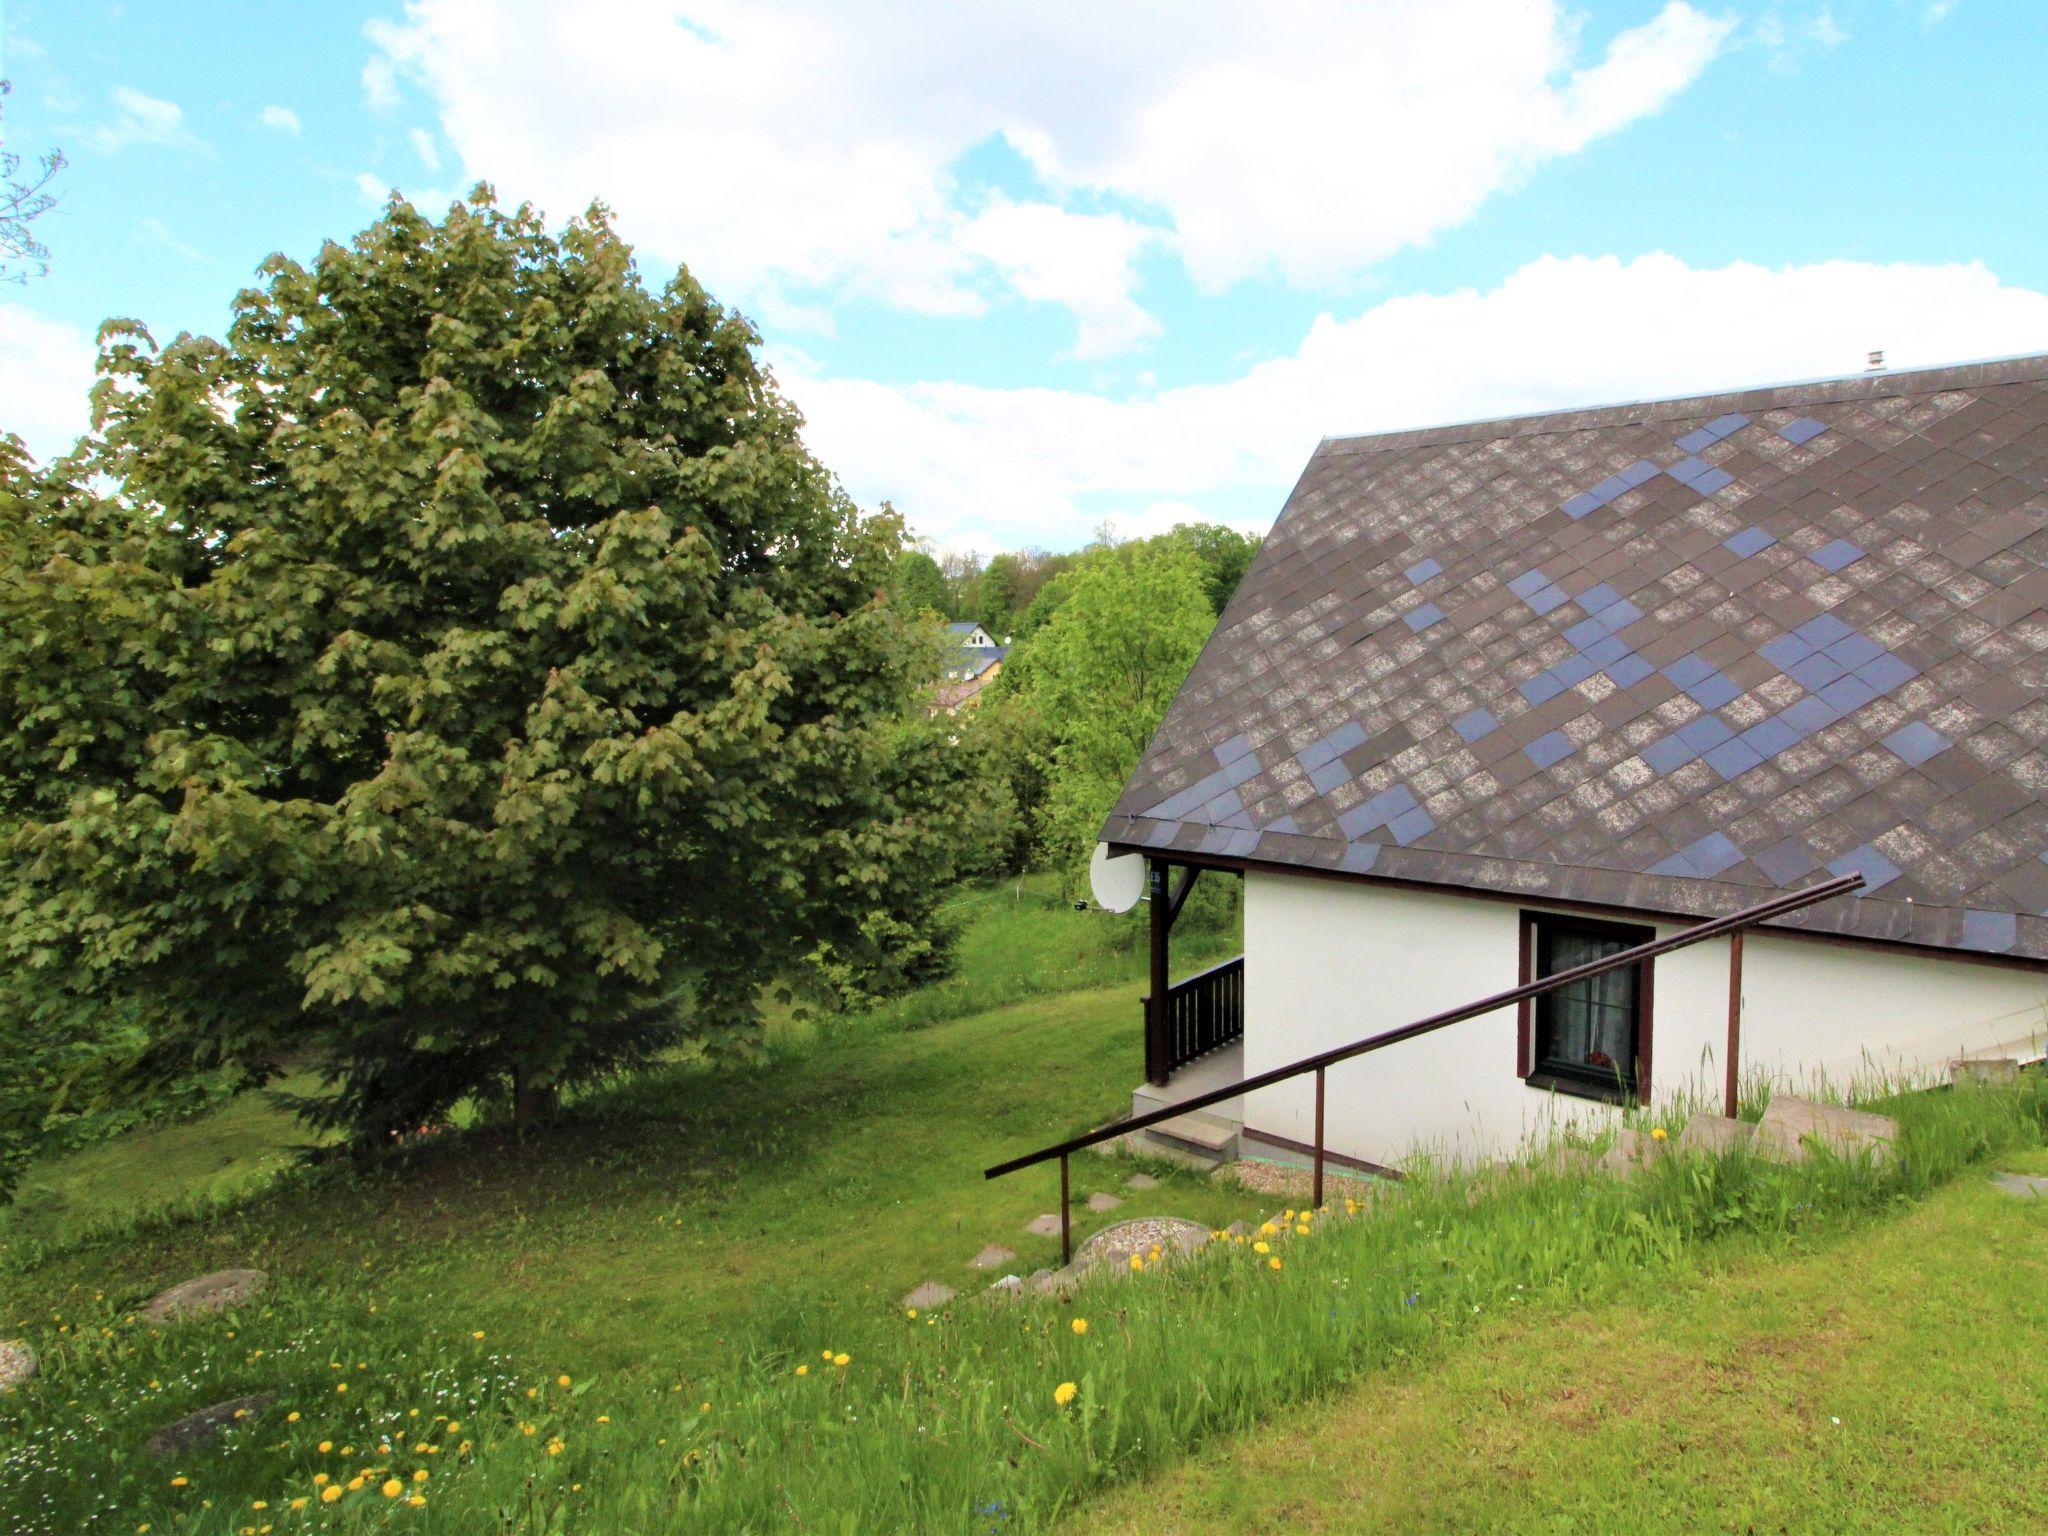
(1579, 1088)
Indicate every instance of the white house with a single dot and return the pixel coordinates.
(1496, 699)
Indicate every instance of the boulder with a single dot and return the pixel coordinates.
(930, 1294)
(1632, 1152)
(1716, 1134)
(17, 1363)
(1114, 1246)
(1791, 1127)
(198, 1428)
(216, 1292)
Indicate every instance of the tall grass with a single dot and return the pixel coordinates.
(931, 1423)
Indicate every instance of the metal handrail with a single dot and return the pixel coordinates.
(1734, 922)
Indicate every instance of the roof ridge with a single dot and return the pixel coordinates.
(1577, 418)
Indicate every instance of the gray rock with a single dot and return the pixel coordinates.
(198, 1428)
(209, 1293)
(2025, 1185)
(1239, 1229)
(17, 1363)
(1102, 1202)
(930, 1294)
(1047, 1225)
(1114, 1246)
(1009, 1288)
(1792, 1126)
(1041, 1280)
(1141, 1181)
(1985, 1069)
(991, 1256)
(1716, 1134)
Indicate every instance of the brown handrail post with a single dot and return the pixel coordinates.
(1316, 1202)
(1157, 1051)
(1734, 1021)
(1066, 1241)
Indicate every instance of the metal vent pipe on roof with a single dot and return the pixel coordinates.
(1876, 360)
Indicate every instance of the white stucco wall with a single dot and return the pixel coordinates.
(1328, 962)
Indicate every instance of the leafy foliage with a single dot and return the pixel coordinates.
(470, 681)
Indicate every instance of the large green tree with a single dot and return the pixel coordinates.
(1100, 676)
(460, 675)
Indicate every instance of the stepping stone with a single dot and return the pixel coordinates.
(1141, 1181)
(1791, 1125)
(198, 1428)
(209, 1293)
(1047, 1225)
(991, 1256)
(1009, 1288)
(1238, 1229)
(17, 1363)
(1716, 1134)
(1102, 1202)
(2025, 1185)
(1985, 1069)
(930, 1294)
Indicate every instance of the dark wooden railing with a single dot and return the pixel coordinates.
(1203, 1011)
(1733, 923)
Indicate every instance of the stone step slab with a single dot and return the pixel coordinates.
(933, 1293)
(1099, 1202)
(207, 1293)
(2023, 1186)
(991, 1257)
(1141, 1181)
(1791, 1126)
(1047, 1225)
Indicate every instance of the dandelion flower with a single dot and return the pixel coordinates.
(392, 1488)
(179, 1482)
(527, 1429)
(1660, 1134)
(803, 1370)
(1137, 1264)
(1065, 1393)
(561, 1381)
(300, 1502)
(1301, 1231)
(912, 1312)
(1274, 1261)
(703, 1407)
(841, 1359)
(828, 1354)
(260, 1504)
(478, 1334)
(341, 1386)
(420, 1476)
(321, 1479)
(554, 1447)
(330, 1493)
(454, 1426)
(1080, 1325)
(292, 1417)
(604, 1418)
(1262, 1247)
(326, 1446)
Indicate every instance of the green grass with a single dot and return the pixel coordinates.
(1889, 1380)
(701, 1237)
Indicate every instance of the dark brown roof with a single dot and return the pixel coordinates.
(1665, 656)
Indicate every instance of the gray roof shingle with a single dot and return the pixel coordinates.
(1673, 657)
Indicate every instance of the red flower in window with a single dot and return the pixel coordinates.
(1599, 1059)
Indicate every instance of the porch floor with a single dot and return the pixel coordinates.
(1216, 1069)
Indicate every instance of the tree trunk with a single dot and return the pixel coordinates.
(532, 1101)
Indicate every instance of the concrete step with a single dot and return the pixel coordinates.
(1197, 1134)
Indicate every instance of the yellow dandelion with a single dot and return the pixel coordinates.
(418, 1501)
(604, 1418)
(1080, 1325)
(554, 1447)
(420, 1476)
(478, 1334)
(260, 1504)
(1137, 1264)
(527, 1429)
(180, 1482)
(1660, 1134)
(703, 1407)
(392, 1488)
(454, 1426)
(300, 1502)
(533, 1391)
(1274, 1261)
(1065, 1393)
(561, 1381)
(828, 1354)
(330, 1493)
(911, 1312)
(1301, 1231)
(803, 1370)
(341, 1386)
(1262, 1247)
(841, 1359)
(321, 1479)
(326, 1446)
(292, 1417)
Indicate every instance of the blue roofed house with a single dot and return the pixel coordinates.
(970, 669)
(1496, 700)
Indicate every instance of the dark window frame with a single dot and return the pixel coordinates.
(1526, 1065)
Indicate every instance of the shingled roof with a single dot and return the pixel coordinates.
(1670, 657)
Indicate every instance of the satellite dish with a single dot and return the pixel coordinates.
(1117, 879)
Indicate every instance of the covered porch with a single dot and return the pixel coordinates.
(1194, 1034)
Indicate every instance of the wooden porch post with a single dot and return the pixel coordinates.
(1162, 913)
(1734, 1022)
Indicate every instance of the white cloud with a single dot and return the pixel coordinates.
(380, 84)
(139, 119)
(996, 468)
(423, 146)
(1086, 262)
(806, 146)
(163, 235)
(1787, 44)
(45, 370)
(280, 120)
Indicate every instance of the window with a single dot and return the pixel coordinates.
(1593, 1037)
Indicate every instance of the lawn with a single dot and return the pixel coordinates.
(679, 1310)
(1890, 1380)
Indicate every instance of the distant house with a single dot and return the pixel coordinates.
(971, 669)
(1497, 699)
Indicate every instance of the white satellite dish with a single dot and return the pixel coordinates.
(1117, 879)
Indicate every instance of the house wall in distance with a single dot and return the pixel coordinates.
(1328, 962)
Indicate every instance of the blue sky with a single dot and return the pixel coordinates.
(1032, 267)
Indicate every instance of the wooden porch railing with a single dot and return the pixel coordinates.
(1203, 1011)
(1733, 925)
